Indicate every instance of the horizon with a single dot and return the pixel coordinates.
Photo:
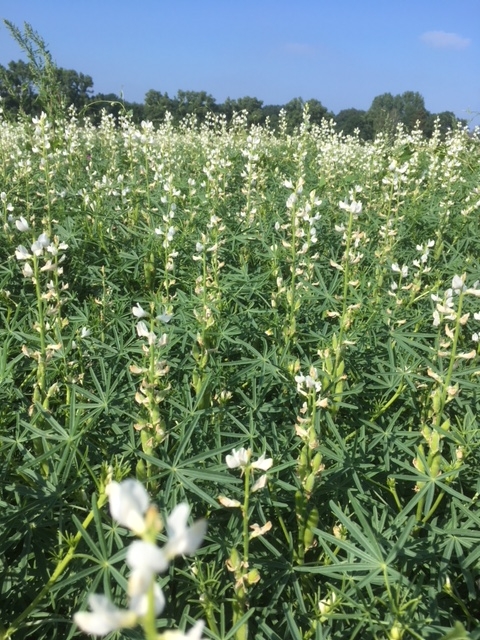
(267, 50)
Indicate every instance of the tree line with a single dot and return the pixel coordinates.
(29, 87)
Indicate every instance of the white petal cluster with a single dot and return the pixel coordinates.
(41, 247)
(240, 458)
(130, 506)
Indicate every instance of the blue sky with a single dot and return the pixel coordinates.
(342, 52)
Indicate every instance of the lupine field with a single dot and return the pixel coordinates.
(275, 339)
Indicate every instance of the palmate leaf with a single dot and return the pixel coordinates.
(370, 558)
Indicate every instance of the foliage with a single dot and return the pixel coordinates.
(170, 294)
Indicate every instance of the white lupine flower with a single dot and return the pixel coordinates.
(239, 458)
(21, 253)
(27, 270)
(104, 618)
(37, 248)
(260, 483)
(164, 317)
(195, 633)
(262, 463)
(49, 266)
(139, 312)
(353, 207)
(22, 224)
(476, 337)
(140, 603)
(143, 332)
(292, 198)
(146, 557)
(458, 284)
(129, 502)
(183, 540)
(85, 332)
(43, 239)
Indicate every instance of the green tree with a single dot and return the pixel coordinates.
(157, 104)
(272, 113)
(387, 112)
(294, 110)
(350, 120)
(252, 105)
(17, 89)
(75, 88)
(198, 103)
(384, 114)
(411, 106)
(317, 111)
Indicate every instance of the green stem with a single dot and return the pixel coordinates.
(149, 620)
(453, 352)
(338, 353)
(434, 507)
(388, 404)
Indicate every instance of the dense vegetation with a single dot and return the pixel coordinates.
(174, 296)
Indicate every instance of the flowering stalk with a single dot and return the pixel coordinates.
(239, 564)
(309, 465)
(130, 506)
(209, 295)
(41, 262)
(153, 388)
(432, 462)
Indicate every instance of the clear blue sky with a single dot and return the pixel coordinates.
(341, 52)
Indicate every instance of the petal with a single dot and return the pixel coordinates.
(146, 556)
(195, 633)
(260, 483)
(128, 502)
(105, 617)
(263, 463)
(22, 224)
(139, 603)
(177, 520)
(188, 541)
(138, 311)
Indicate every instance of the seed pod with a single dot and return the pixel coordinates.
(312, 522)
(234, 562)
(310, 483)
(141, 472)
(437, 401)
(316, 462)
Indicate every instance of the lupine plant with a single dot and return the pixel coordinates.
(183, 305)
